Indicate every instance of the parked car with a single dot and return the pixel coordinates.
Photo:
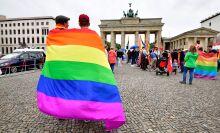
(21, 60)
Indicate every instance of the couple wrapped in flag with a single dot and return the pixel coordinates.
(76, 81)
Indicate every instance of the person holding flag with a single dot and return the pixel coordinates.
(77, 81)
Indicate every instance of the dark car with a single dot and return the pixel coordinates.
(21, 61)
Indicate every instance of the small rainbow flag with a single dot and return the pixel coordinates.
(76, 81)
(206, 66)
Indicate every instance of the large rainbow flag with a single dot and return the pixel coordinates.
(76, 81)
(206, 66)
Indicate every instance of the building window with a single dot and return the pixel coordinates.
(27, 31)
(42, 39)
(27, 24)
(5, 25)
(37, 31)
(2, 40)
(43, 48)
(32, 31)
(11, 50)
(6, 50)
(32, 23)
(22, 24)
(210, 24)
(45, 31)
(1, 25)
(9, 25)
(6, 32)
(28, 40)
(23, 40)
(2, 32)
(14, 24)
(47, 23)
(23, 31)
(3, 50)
(14, 31)
(14, 48)
(33, 40)
(19, 32)
(6, 40)
(10, 40)
(10, 32)
(37, 23)
(18, 24)
(19, 40)
(15, 41)
(38, 40)
(42, 23)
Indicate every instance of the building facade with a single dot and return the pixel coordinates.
(212, 22)
(31, 31)
(203, 36)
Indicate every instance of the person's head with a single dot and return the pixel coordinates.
(209, 48)
(84, 20)
(200, 48)
(192, 49)
(175, 61)
(62, 20)
(112, 48)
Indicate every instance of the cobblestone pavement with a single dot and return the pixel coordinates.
(154, 104)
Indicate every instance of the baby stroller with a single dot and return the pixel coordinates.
(162, 67)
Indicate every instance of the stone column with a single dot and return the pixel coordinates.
(206, 43)
(164, 43)
(147, 36)
(136, 38)
(122, 39)
(187, 43)
(183, 43)
(113, 39)
(158, 38)
(195, 39)
(103, 37)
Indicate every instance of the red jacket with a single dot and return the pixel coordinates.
(112, 57)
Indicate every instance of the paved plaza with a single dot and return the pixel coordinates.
(154, 104)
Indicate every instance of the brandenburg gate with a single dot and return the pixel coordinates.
(131, 24)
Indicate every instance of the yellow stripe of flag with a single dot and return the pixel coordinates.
(77, 53)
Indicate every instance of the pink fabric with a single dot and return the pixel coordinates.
(112, 57)
(111, 113)
(205, 77)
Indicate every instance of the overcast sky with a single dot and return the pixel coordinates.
(178, 15)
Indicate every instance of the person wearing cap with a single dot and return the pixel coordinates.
(62, 22)
(84, 21)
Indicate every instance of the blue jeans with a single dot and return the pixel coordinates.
(182, 66)
(112, 67)
(191, 71)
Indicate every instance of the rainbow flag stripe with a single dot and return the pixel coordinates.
(206, 66)
(77, 81)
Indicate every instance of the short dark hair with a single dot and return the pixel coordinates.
(61, 19)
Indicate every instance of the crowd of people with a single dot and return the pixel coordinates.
(181, 61)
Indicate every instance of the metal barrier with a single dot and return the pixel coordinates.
(26, 66)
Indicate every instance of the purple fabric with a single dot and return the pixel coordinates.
(205, 77)
(111, 113)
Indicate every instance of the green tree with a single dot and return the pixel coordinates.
(118, 46)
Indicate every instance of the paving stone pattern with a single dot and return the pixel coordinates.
(152, 104)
